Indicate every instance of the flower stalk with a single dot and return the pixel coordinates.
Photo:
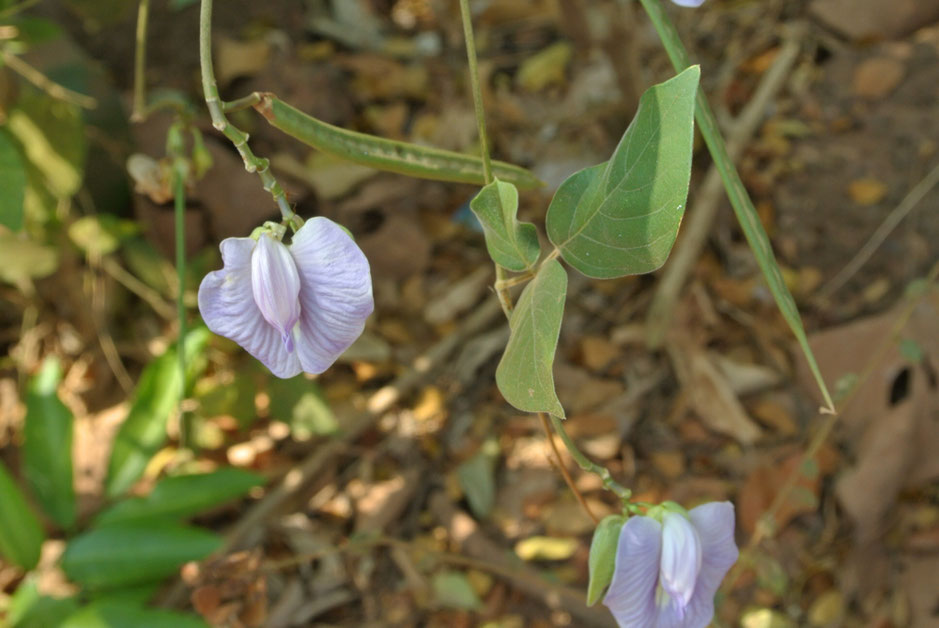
(239, 138)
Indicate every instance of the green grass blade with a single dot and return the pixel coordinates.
(739, 198)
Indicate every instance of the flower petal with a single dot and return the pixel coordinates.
(335, 292)
(715, 525)
(688, 3)
(276, 286)
(227, 304)
(681, 557)
(631, 597)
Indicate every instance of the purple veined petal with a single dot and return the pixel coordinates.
(631, 596)
(226, 301)
(335, 292)
(688, 3)
(275, 285)
(681, 557)
(715, 525)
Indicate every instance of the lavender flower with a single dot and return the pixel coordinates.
(295, 308)
(667, 572)
(688, 3)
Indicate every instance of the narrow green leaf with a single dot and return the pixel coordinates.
(29, 609)
(739, 198)
(21, 534)
(602, 560)
(144, 430)
(12, 182)
(511, 244)
(621, 217)
(47, 447)
(127, 554)
(117, 614)
(182, 496)
(524, 374)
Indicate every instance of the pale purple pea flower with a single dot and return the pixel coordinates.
(688, 3)
(294, 307)
(667, 572)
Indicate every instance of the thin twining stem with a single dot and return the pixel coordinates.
(563, 469)
(589, 465)
(477, 91)
(238, 137)
(505, 299)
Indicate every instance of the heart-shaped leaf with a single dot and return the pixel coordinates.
(511, 244)
(621, 217)
(524, 374)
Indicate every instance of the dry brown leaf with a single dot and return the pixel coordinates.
(868, 490)
(762, 485)
(234, 58)
(867, 191)
(875, 19)
(877, 77)
(457, 297)
(710, 395)
(378, 504)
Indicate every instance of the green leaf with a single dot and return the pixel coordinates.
(12, 182)
(182, 496)
(621, 217)
(301, 403)
(52, 134)
(452, 589)
(127, 554)
(120, 614)
(144, 430)
(47, 450)
(23, 259)
(234, 398)
(32, 31)
(100, 235)
(477, 478)
(602, 559)
(21, 534)
(524, 374)
(29, 609)
(511, 244)
(911, 350)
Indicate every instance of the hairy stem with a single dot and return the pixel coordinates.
(237, 137)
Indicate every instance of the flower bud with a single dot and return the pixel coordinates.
(681, 557)
(275, 284)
